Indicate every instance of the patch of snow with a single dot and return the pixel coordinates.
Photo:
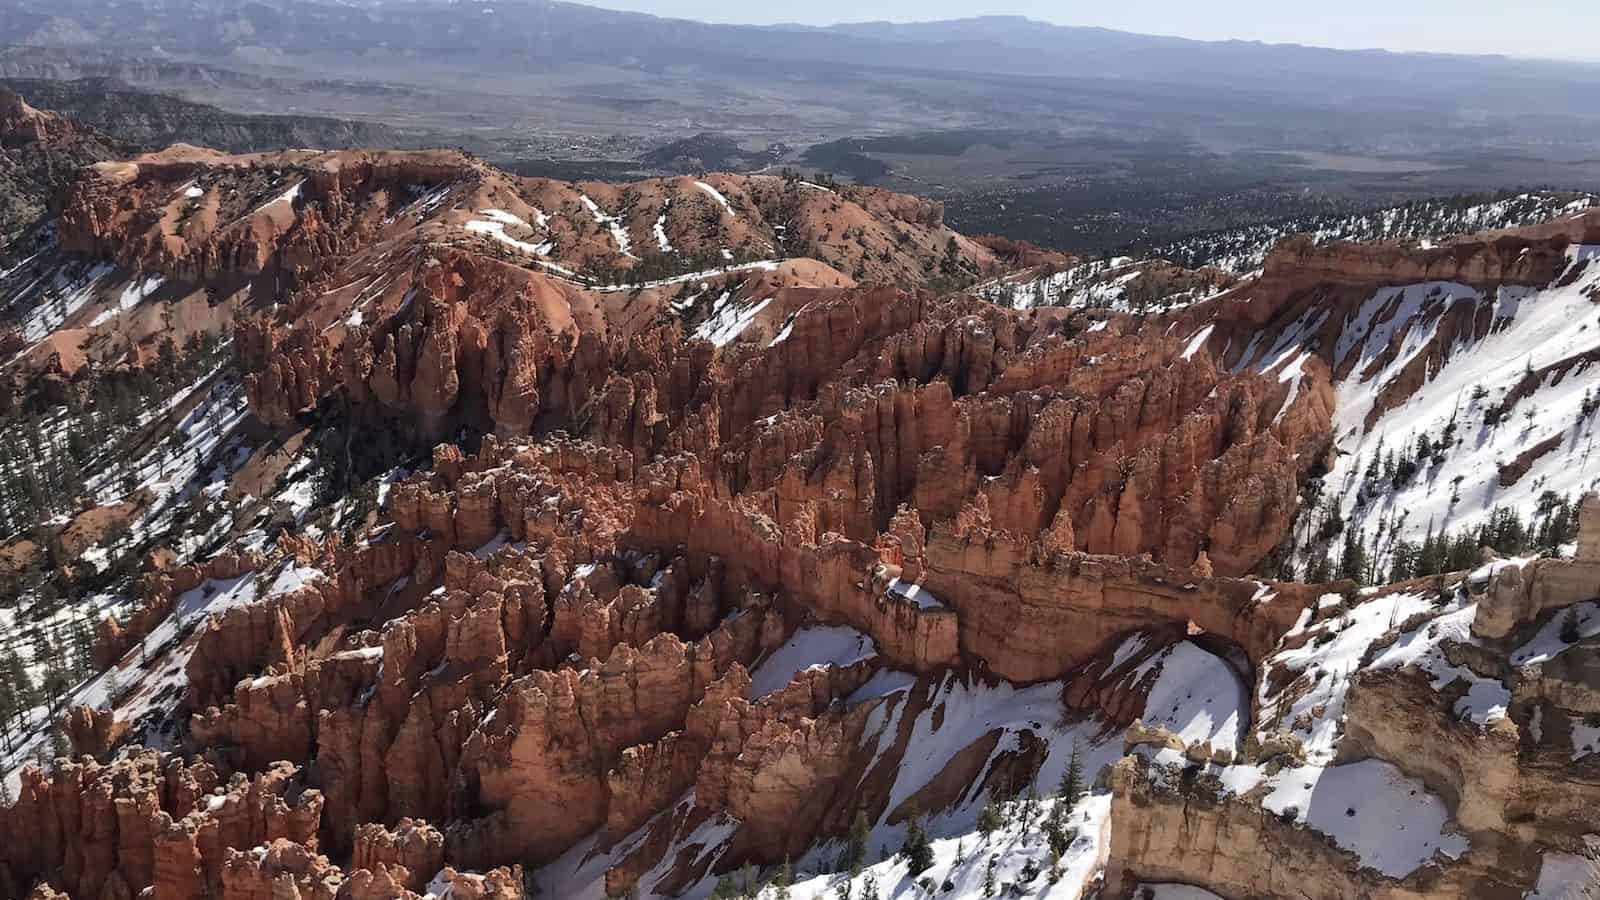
(765, 265)
(288, 196)
(661, 232)
(1199, 697)
(810, 648)
(619, 233)
(1370, 807)
(882, 683)
(1548, 643)
(1561, 875)
(1530, 329)
(497, 230)
(716, 195)
(1198, 341)
(503, 217)
(915, 593)
(1329, 660)
(728, 320)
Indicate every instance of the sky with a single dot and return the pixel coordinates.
(1548, 29)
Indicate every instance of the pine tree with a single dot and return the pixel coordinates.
(15, 674)
(988, 877)
(724, 889)
(1319, 570)
(1353, 561)
(988, 819)
(855, 851)
(869, 888)
(1071, 788)
(917, 850)
(1404, 564)
(1430, 558)
(782, 881)
(1030, 808)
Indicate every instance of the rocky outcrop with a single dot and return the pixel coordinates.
(1511, 595)
(554, 736)
(147, 820)
(415, 847)
(93, 731)
(1184, 827)
(159, 591)
(1009, 597)
(40, 152)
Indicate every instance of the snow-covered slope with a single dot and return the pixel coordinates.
(1503, 423)
(1242, 250)
(1192, 269)
(923, 731)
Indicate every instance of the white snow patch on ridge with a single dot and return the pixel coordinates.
(1198, 697)
(288, 196)
(809, 648)
(716, 195)
(915, 593)
(661, 232)
(618, 232)
(728, 320)
(1390, 821)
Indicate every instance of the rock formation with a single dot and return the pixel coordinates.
(689, 565)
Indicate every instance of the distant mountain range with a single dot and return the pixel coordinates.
(539, 34)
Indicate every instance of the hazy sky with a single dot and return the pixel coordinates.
(1567, 29)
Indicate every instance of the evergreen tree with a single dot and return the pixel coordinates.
(1353, 560)
(8, 709)
(1430, 557)
(1030, 809)
(988, 819)
(724, 889)
(1463, 553)
(855, 851)
(988, 877)
(15, 674)
(782, 881)
(869, 888)
(1571, 626)
(1319, 570)
(917, 850)
(1071, 789)
(1404, 564)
